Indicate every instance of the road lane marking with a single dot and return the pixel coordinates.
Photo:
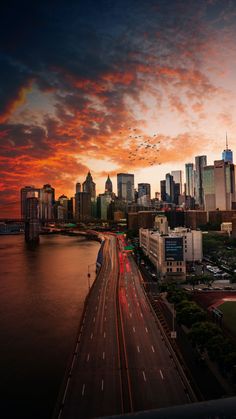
(88, 356)
(104, 335)
(130, 314)
(103, 355)
(105, 306)
(94, 319)
(144, 376)
(81, 328)
(141, 314)
(96, 308)
(146, 329)
(138, 304)
(134, 329)
(91, 336)
(83, 388)
(105, 319)
(153, 350)
(138, 349)
(102, 387)
(161, 375)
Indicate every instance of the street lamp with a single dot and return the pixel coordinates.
(173, 333)
(89, 275)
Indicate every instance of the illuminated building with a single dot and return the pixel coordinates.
(144, 194)
(46, 202)
(189, 175)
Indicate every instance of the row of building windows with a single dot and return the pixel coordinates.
(177, 263)
(177, 270)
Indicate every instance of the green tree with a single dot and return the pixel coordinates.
(202, 332)
(189, 313)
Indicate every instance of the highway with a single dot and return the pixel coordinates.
(121, 362)
(154, 379)
(94, 388)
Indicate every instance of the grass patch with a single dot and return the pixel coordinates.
(229, 315)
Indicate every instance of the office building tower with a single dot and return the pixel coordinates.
(89, 186)
(169, 188)
(189, 174)
(78, 187)
(200, 163)
(219, 186)
(82, 206)
(26, 192)
(125, 187)
(178, 179)
(46, 202)
(209, 188)
(103, 202)
(32, 219)
(108, 185)
(224, 178)
(227, 154)
(163, 190)
(144, 194)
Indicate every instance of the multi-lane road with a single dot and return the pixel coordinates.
(121, 362)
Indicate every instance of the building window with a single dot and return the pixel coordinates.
(170, 269)
(180, 269)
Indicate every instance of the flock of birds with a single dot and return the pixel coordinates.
(143, 148)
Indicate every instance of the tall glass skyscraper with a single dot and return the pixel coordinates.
(125, 187)
(227, 154)
(189, 175)
(200, 163)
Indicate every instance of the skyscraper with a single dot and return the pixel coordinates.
(169, 188)
(200, 163)
(163, 190)
(227, 154)
(144, 193)
(125, 187)
(178, 178)
(46, 202)
(189, 174)
(89, 186)
(32, 219)
(82, 206)
(224, 176)
(219, 186)
(108, 185)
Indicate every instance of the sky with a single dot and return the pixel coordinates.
(135, 86)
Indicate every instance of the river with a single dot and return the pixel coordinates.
(42, 292)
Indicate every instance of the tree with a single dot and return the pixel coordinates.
(202, 332)
(189, 313)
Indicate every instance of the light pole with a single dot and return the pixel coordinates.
(173, 333)
(89, 275)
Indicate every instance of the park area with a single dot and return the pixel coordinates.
(228, 309)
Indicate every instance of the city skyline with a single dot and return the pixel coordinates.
(140, 87)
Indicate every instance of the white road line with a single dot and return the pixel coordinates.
(146, 329)
(144, 376)
(153, 350)
(94, 319)
(130, 314)
(137, 304)
(79, 337)
(103, 355)
(105, 319)
(83, 388)
(134, 329)
(96, 308)
(161, 375)
(104, 335)
(88, 356)
(138, 349)
(98, 297)
(102, 387)
(91, 336)
(105, 306)
(81, 328)
(141, 314)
